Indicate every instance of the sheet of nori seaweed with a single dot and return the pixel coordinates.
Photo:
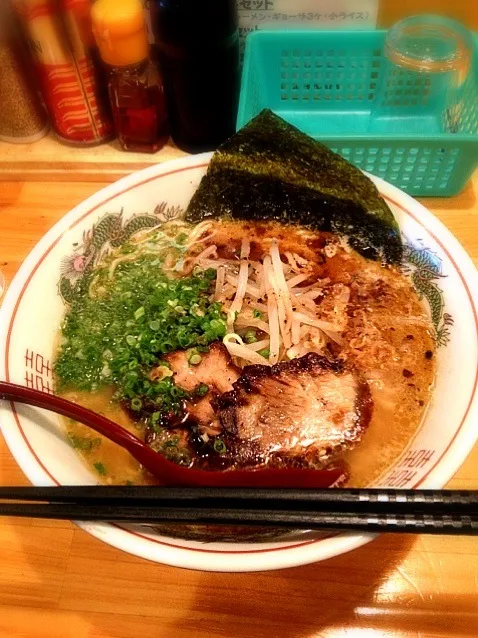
(270, 170)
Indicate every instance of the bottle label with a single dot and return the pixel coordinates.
(65, 69)
(306, 14)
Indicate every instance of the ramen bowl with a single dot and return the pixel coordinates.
(440, 269)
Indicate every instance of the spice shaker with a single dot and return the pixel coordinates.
(135, 87)
(198, 50)
(65, 69)
(22, 116)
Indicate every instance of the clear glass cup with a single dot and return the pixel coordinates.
(424, 69)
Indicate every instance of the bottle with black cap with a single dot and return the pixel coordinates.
(198, 49)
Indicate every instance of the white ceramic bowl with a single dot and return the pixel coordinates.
(33, 308)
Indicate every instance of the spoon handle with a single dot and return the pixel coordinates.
(167, 472)
(102, 425)
(164, 470)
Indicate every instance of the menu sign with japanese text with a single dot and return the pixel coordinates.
(297, 14)
(306, 14)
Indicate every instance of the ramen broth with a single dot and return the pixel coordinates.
(386, 334)
(108, 461)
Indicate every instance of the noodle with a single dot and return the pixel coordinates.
(283, 291)
(312, 294)
(271, 295)
(264, 296)
(259, 345)
(221, 274)
(207, 252)
(298, 279)
(245, 248)
(250, 289)
(274, 328)
(255, 323)
(241, 283)
(237, 348)
(197, 231)
(292, 261)
(323, 325)
(115, 263)
(300, 260)
(295, 330)
(321, 283)
(280, 304)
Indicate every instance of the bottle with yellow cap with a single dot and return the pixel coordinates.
(135, 87)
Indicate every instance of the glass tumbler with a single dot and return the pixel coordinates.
(423, 72)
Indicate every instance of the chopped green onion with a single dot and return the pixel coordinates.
(141, 316)
(84, 444)
(100, 468)
(265, 352)
(250, 336)
(136, 404)
(257, 314)
(220, 446)
(155, 417)
(195, 359)
(201, 390)
(139, 313)
(218, 325)
(172, 442)
(202, 349)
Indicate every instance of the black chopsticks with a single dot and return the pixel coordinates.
(368, 510)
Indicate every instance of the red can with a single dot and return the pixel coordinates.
(61, 42)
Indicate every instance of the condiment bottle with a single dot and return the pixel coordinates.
(135, 87)
(22, 116)
(65, 69)
(198, 49)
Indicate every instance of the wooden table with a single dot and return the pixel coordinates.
(56, 581)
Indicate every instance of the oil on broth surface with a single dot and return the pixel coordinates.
(387, 336)
(109, 462)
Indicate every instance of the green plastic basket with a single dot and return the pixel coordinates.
(328, 83)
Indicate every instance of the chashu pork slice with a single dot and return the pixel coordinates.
(216, 370)
(309, 407)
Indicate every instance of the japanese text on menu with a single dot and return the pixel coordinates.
(340, 14)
